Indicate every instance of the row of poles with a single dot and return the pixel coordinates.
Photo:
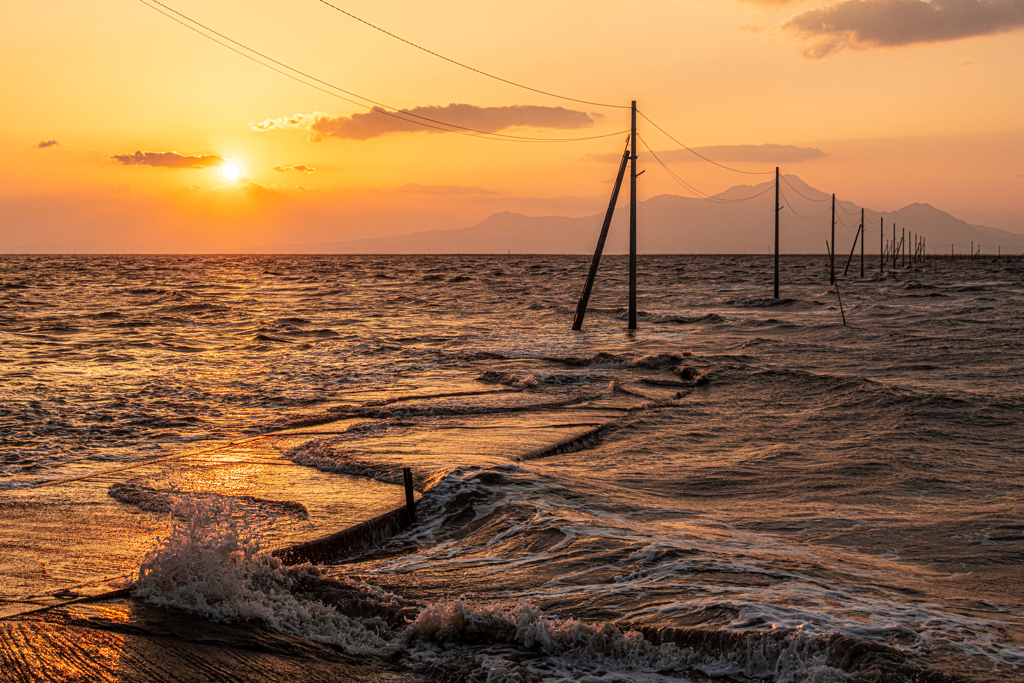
(897, 251)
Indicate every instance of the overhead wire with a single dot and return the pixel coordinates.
(839, 218)
(851, 213)
(466, 66)
(380, 107)
(825, 199)
(696, 153)
(691, 188)
(789, 205)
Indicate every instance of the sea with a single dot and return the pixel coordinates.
(827, 486)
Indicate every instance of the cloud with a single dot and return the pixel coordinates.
(45, 144)
(169, 160)
(765, 154)
(302, 168)
(377, 122)
(416, 188)
(297, 121)
(892, 23)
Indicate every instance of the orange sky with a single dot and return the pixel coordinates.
(906, 101)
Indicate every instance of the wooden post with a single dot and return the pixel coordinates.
(410, 500)
(632, 225)
(903, 247)
(776, 232)
(832, 254)
(862, 242)
(581, 307)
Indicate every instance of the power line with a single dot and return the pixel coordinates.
(788, 205)
(691, 188)
(694, 152)
(825, 199)
(840, 219)
(852, 213)
(380, 108)
(466, 66)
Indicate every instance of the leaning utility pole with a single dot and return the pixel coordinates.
(581, 307)
(776, 232)
(632, 224)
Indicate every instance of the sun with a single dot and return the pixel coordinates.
(230, 171)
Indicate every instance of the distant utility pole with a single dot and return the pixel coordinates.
(832, 255)
(777, 232)
(862, 242)
(881, 244)
(632, 223)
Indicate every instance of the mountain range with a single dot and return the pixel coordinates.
(737, 221)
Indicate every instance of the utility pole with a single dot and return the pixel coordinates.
(893, 245)
(862, 242)
(881, 245)
(903, 245)
(832, 255)
(776, 232)
(632, 223)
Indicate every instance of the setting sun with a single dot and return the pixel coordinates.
(230, 171)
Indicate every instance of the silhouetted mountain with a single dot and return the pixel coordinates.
(728, 223)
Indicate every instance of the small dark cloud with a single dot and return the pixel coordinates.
(302, 168)
(45, 144)
(765, 154)
(416, 188)
(169, 160)
(893, 23)
(377, 122)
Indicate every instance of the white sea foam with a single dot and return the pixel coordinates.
(570, 643)
(212, 565)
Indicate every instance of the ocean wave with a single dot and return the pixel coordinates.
(214, 566)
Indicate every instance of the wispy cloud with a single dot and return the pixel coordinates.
(296, 121)
(377, 122)
(302, 168)
(169, 160)
(46, 144)
(892, 23)
(765, 154)
(416, 188)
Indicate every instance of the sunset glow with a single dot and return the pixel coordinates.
(933, 108)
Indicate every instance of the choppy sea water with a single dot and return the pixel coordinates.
(793, 498)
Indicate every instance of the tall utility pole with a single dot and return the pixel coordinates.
(881, 245)
(862, 234)
(632, 223)
(832, 256)
(776, 232)
(903, 243)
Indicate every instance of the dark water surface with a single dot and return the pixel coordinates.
(820, 489)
